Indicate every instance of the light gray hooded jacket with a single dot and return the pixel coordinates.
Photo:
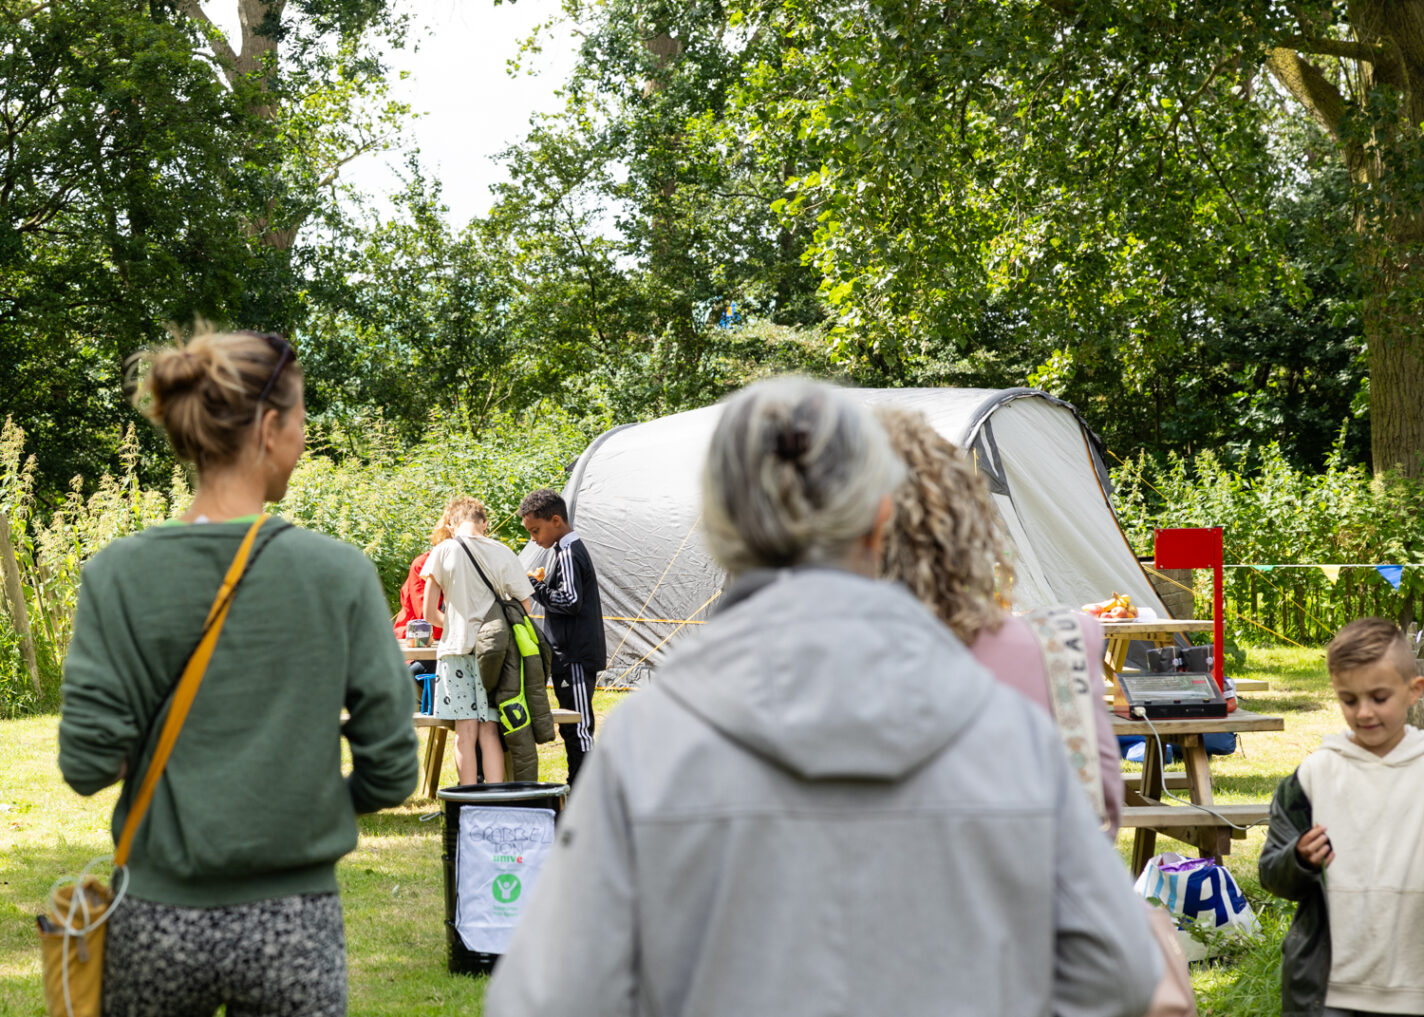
(826, 806)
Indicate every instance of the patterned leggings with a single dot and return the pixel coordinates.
(284, 957)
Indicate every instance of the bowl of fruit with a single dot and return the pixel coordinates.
(1118, 607)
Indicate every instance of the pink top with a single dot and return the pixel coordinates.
(1013, 656)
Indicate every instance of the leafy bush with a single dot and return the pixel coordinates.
(364, 486)
(385, 500)
(17, 693)
(1273, 515)
(50, 554)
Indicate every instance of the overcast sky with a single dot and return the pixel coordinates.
(458, 79)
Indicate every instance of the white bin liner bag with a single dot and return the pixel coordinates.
(497, 860)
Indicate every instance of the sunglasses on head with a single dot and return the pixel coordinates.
(285, 355)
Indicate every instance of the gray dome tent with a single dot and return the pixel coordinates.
(634, 497)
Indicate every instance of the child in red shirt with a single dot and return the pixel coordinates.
(412, 600)
(412, 591)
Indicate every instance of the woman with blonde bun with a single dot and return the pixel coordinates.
(945, 543)
(232, 895)
(823, 805)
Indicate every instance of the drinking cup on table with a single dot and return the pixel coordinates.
(419, 632)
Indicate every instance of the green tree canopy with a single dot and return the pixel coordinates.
(1096, 180)
(150, 174)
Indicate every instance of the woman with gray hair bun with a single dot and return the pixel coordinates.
(824, 805)
(796, 475)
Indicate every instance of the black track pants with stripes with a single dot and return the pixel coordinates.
(574, 690)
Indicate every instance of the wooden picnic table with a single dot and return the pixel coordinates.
(1118, 636)
(435, 741)
(1162, 629)
(1149, 815)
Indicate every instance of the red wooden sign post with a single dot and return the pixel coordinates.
(1198, 549)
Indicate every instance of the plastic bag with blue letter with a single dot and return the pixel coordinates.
(1209, 908)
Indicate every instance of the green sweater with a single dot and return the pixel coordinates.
(252, 804)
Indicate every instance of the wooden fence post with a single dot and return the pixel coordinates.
(15, 597)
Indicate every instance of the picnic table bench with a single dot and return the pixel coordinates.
(439, 729)
(435, 746)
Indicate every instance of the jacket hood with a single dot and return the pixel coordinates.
(1410, 748)
(829, 675)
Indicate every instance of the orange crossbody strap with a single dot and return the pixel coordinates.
(185, 693)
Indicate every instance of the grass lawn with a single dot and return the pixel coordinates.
(392, 884)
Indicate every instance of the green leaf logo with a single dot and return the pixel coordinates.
(506, 888)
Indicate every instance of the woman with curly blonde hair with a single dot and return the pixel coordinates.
(945, 542)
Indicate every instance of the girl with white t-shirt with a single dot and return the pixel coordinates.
(459, 693)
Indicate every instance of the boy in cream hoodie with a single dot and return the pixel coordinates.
(1347, 841)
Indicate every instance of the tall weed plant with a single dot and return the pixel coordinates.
(362, 487)
(1274, 515)
(50, 549)
(17, 692)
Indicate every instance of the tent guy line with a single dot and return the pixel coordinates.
(653, 592)
(632, 667)
(1237, 614)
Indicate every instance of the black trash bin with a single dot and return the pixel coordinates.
(501, 844)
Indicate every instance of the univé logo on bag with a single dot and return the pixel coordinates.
(506, 888)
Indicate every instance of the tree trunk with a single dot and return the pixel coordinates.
(1396, 361)
(1392, 229)
(1376, 123)
(258, 59)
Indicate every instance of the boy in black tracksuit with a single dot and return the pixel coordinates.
(573, 616)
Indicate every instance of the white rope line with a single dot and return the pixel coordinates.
(654, 590)
(674, 632)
